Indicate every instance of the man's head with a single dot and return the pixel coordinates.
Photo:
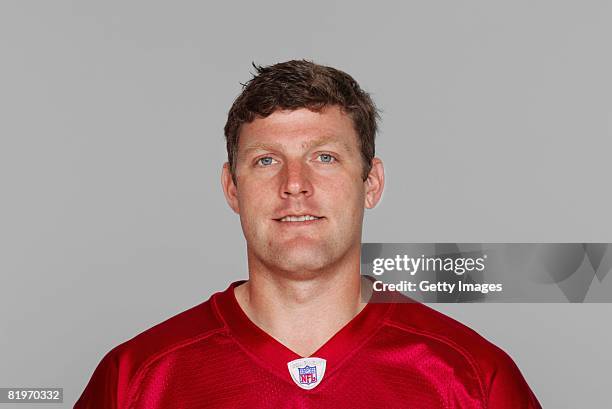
(302, 84)
(301, 169)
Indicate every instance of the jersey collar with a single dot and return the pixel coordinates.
(270, 353)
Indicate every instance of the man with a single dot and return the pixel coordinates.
(301, 170)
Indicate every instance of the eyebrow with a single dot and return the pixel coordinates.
(326, 140)
(306, 145)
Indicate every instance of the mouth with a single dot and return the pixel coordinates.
(305, 218)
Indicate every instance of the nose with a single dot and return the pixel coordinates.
(296, 180)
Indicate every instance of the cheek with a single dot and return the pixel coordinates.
(255, 201)
(345, 198)
(344, 187)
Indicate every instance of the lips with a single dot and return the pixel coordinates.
(303, 218)
(298, 218)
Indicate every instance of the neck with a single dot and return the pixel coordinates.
(301, 313)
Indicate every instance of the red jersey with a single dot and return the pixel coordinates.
(402, 355)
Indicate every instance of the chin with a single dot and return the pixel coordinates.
(302, 260)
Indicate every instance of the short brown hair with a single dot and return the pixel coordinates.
(302, 84)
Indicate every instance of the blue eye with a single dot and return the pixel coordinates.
(266, 161)
(326, 158)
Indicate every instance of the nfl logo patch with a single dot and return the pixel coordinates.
(307, 373)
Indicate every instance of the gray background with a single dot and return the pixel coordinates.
(496, 128)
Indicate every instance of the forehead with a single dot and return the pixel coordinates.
(300, 127)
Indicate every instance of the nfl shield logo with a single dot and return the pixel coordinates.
(307, 373)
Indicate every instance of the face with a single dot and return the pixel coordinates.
(299, 190)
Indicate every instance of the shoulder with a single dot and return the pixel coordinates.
(423, 321)
(116, 372)
(180, 330)
(494, 371)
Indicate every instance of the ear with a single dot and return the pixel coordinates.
(374, 184)
(229, 188)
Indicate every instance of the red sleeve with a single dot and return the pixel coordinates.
(107, 387)
(507, 387)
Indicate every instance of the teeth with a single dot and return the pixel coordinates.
(298, 218)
